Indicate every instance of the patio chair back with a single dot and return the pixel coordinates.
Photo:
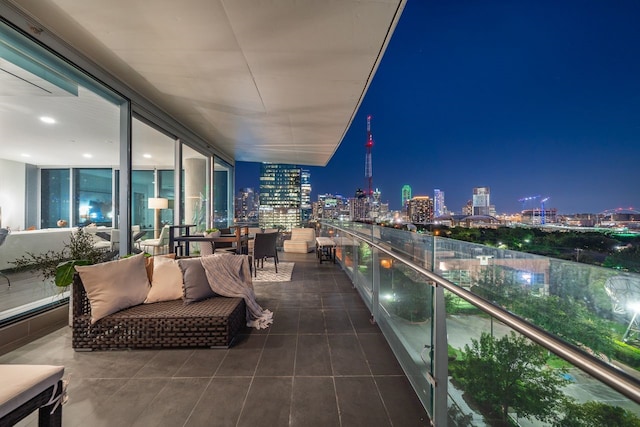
(264, 246)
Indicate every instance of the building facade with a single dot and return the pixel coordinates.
(439, 207)
(406, 194)
(247, 202)
(420, 209)
(481, 201)
(305, 195)
(280, 196)
(359, 206)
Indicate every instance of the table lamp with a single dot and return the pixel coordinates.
(157, 203)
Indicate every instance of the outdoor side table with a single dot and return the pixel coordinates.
(325, 249)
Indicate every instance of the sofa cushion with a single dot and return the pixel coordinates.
(196, 286)
(149, 263)
(114, 285)
(166, 284)
(302, 240)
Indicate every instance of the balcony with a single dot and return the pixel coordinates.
(322, 363)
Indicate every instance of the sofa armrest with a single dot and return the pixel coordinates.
(80, 301)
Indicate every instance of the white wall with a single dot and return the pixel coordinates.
(12, 194)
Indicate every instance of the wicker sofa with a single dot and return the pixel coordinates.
(213, 322)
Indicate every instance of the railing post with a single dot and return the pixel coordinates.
(356, 265)
(439, 362)
(376, 285)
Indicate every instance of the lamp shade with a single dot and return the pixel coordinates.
(158, 203)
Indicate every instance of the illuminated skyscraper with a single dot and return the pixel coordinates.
(420, 209)
(406, 194)
(246, 209)
(280, 196)
(481, 202)
(359, 206)
(438, 203)
(305, 195)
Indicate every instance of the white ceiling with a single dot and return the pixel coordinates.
(263, 80)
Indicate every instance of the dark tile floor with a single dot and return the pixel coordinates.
(320, 364)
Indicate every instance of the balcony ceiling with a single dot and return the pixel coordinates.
(263, 80)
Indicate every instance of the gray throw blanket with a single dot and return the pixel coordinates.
(229, 276)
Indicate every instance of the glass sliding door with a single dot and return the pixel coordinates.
(60, 144)
(223, 211)
(55, 197)
(93, 191)
(152, 179)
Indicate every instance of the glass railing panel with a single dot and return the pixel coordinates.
(345, 253)
(588, 306)
(498, 378)
(405, 316)
(363, 271)
(413, 246)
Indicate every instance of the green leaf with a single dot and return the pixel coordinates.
(66, 270)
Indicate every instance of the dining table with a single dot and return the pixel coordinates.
(182, 242)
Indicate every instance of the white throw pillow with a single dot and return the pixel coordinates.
(166, 284)
(115, 285)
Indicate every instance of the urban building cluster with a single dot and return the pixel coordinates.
(283, 200)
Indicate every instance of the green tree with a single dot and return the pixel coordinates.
(625, 259)
(510, 373)
(568, 319)
(596, 414)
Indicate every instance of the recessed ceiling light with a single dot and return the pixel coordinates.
(25, 155)
(146, 156)
(48, 120)
(87, 155)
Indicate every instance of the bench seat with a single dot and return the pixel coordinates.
(26, 388)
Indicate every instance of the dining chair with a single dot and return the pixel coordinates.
(160, 242)
(264, 246)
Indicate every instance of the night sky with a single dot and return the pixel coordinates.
(525, 97)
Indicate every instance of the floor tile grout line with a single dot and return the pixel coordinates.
(253, 377)
(206, 388)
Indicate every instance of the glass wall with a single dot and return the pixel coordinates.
(60, 145)
(63, 133)
(222, 194)
(55, 200)
(151, 178)
(93, 194)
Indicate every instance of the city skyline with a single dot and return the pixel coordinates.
(527, 98)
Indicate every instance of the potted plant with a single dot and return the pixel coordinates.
(59, 265)
(212, 232)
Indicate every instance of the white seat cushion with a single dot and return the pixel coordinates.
(21, 383)
(303, 240)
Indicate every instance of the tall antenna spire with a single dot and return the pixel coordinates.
(368, 169)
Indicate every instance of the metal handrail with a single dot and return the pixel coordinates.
(605, 373)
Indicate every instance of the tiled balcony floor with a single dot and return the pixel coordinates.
(320, 364)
